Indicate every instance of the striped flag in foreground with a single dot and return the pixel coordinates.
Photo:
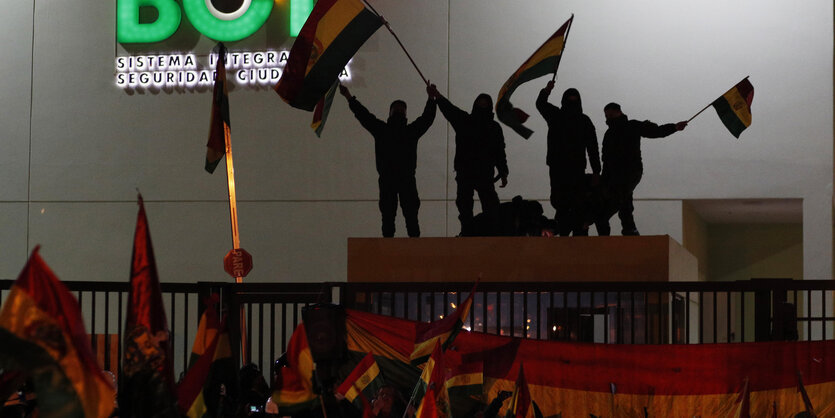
(364, 380)
(42, 335)
(443, 331)
(734, 107)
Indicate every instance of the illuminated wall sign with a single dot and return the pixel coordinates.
(189, 72)
(206, 18)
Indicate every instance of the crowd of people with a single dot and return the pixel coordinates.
(579, 199)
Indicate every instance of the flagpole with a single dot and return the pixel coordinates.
(564, 41)
(396, 38)
(711, 103)
(233, 210)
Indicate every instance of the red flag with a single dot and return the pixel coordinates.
(147, 380)
(427, 408)
(520, 402)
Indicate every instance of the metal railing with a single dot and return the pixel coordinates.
(602, 312)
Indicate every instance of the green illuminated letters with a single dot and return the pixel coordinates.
(129, 30)
(227, 30)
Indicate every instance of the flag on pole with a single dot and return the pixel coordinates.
(323, 107)
(332, 34)
(219, 128)
(294, 391)
(444, 331)
(210, 366)
(520, 401)
(433, 376)
(42, 335)
(544, 60)
(734, 107)
(364, 380)
(146, 385)
(428, 408)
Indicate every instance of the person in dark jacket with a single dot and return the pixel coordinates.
(395, 147)
(571, 136)
(479, 155)
(622, 164)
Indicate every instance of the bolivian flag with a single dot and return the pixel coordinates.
(219, 128)
(734, 107)
(332, 34)
(211, 365)
(42, 335)
(544, 60)
(465, 379)
(320, 114)
(294, 392)
(364, 380)
(520, 402)
(443, 331)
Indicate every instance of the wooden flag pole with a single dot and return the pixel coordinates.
(564, 41)
(396, 38)
(711, 103)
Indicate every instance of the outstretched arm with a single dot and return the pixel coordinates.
(547, 110)
(652, 130)
(366, 118)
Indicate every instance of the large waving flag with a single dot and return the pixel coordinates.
(363, 382)
(544, 60)
(734, 107)
(444, 330)
(211, 365)
(42, 335)
(294, 392)
(146, 385)
(219, 128)
(332, 34)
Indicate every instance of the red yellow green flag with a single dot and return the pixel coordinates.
(211, 365)
(219, 127)
(544, 60)
(146, 385)
(333, 33)
(323, 107)
(443, 331)
(42, 335)
(294, 391)
(364, 380)
(734, 107)
(520, 402)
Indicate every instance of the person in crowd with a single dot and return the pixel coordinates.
(389, 403)
(480, 158)
(395, 147)
(622, 163)
(492, 410)
(571, 136)
(254, 391)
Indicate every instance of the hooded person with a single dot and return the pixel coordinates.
(622, 163)
(571, 136)
(395, 148)
(480, 158)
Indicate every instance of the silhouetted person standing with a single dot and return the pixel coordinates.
(622, 164)
(571, 136)
(395, 147)
(479, 154)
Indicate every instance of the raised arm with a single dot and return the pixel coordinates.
(424, 121)
(453, 114)
(366, 118)
(547, 110)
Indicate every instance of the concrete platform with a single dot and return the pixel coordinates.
(523, 259)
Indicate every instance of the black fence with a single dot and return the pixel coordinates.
(602, 312)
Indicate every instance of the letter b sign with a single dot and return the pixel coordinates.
(205, 17)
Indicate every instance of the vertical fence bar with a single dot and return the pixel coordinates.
(525, 323)
(619, 319)
(646, 320)
(185, 331)
(511, 314)
(93, 339)
(808, 315)
(605, 317)
(701, 317)
(272, 341)
(687, 317)
(632, 317)
(538, 315)
(249, 331)
(823, 315)
(742, 316)
(283, 325)
(715, 320)
(106, 330)
(260, 332)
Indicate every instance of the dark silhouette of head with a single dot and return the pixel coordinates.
(397, 112)
(612, 112)
(571, 101)
(483, 106)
